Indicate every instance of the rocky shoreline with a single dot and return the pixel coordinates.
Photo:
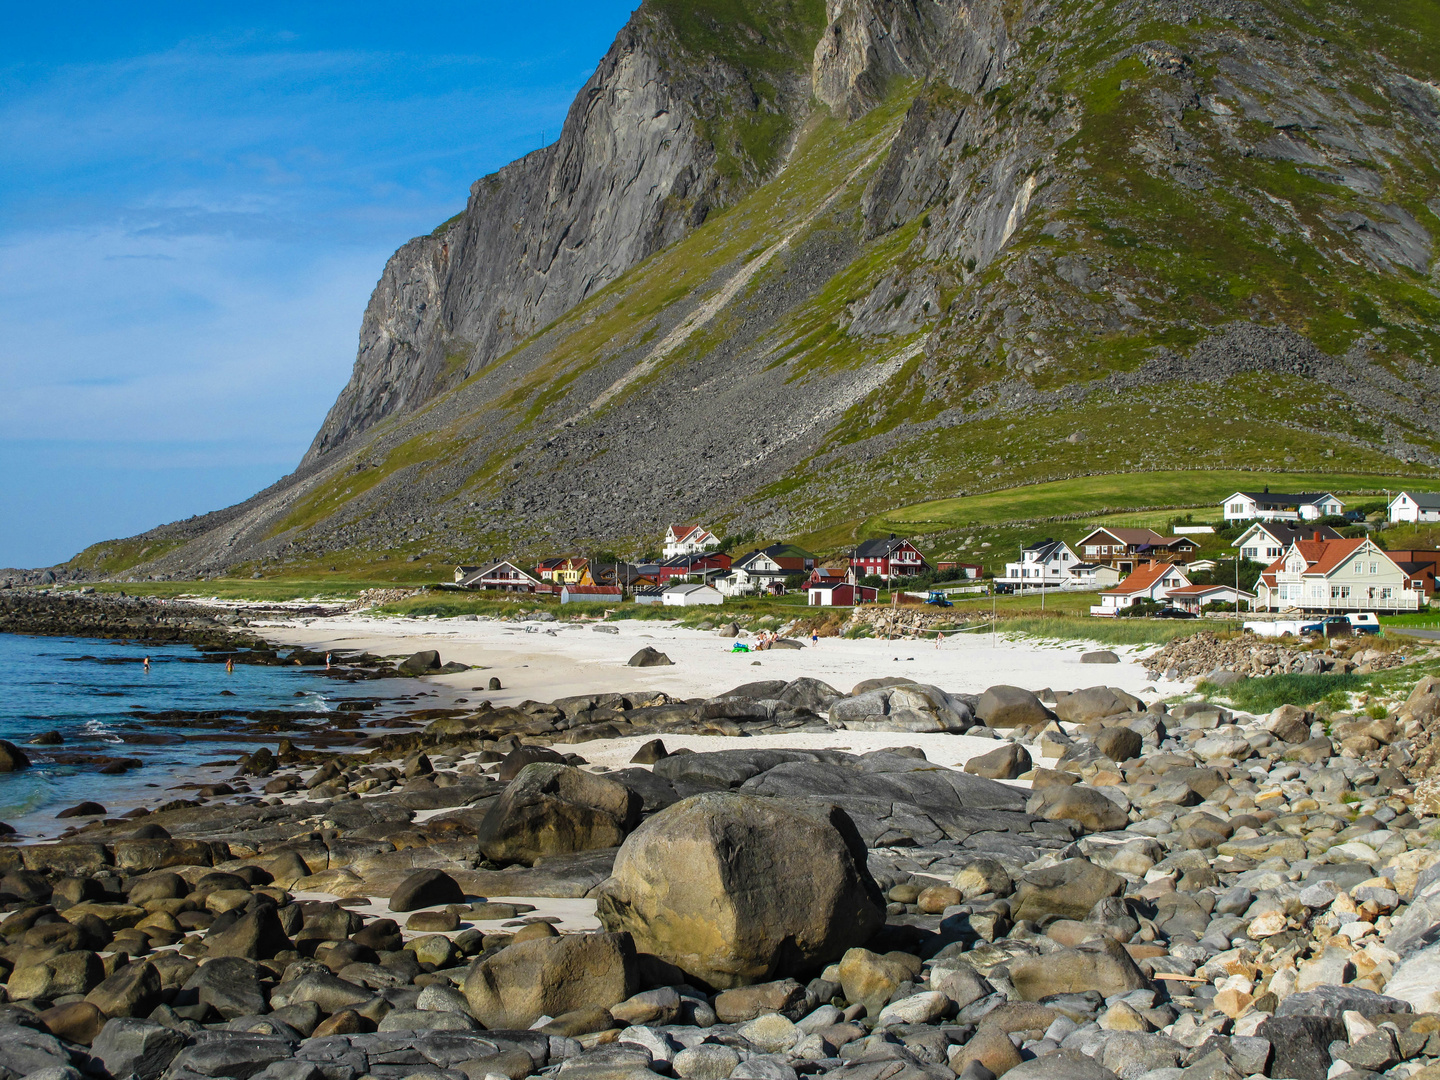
(1179, 892)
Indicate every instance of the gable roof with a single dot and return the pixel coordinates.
(1044, 549)
(493, 565)
(1129, 536)
(1323, 557)
(682, 533)
(1141, 538)
(687, 589)
(1143, 578)
(1201, 590)
(1276, 500)
(880, 549)
(1425, 500)
(1287, 534)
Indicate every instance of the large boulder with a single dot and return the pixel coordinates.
(550, 976)
(1417, 980)
(809, 695)
(1104, 967)
(426, 888)
(1080, 804)
(733, 889)
(139, 1048)
(552, 809)
(12, 758)
(650, 657)
(907, 707)
(1005, 762)
(1096, 702)
(1010, 706)
(421, 663)
(1068, 889)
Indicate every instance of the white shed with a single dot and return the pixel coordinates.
(1415, 506)
(691, 595)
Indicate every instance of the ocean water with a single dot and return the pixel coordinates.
(90, 691)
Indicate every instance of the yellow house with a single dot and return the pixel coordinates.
(571, 570)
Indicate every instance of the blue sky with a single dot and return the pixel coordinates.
(195, 202)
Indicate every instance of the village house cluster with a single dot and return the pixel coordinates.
(693, 571)
(1307, 566)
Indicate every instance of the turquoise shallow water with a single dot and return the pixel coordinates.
(45, 685)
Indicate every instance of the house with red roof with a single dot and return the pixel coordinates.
(1322, 575)
(689, 540)
(1150, 581)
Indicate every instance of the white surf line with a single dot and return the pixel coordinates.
(712, 306)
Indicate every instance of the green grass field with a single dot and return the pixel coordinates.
(1113, 495)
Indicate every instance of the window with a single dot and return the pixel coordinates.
(1339, 592)
(1374, 567)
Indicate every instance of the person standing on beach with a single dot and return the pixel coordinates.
(327, 661)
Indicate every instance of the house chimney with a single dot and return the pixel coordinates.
(1317, 536)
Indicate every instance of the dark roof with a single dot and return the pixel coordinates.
(1425, 500)
(879, 549)
(1045, 548)
(1288, 534)
(1280, 498)
(1413, 568)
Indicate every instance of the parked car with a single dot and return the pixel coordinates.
(1174, 613)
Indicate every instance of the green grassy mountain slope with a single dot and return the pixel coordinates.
(1020, 244)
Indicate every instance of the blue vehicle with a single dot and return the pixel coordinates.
(939, 599)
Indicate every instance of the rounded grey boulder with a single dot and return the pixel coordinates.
(1010, 706)
(734, 889)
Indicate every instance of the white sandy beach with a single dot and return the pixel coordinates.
(545, 661)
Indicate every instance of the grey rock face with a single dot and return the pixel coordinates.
(634, 169)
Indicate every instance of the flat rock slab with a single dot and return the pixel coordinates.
(571, 876)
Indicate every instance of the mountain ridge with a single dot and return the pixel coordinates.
(985, 244)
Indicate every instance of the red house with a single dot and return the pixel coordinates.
(888, 558)
(841, 594)
(708, 564)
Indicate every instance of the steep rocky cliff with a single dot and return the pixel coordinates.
(788, 267)
(684, 114)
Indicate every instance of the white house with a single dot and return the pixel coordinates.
(500, 576)
(1270, 505)
(650, 594)
(1193, 598)
(688, 540)
(1339, 575)
(690, 596)
(1046, 564)
(1416, 506)
(1150, 581)
(758, 572)
(1266, 541)
(1093, 576)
